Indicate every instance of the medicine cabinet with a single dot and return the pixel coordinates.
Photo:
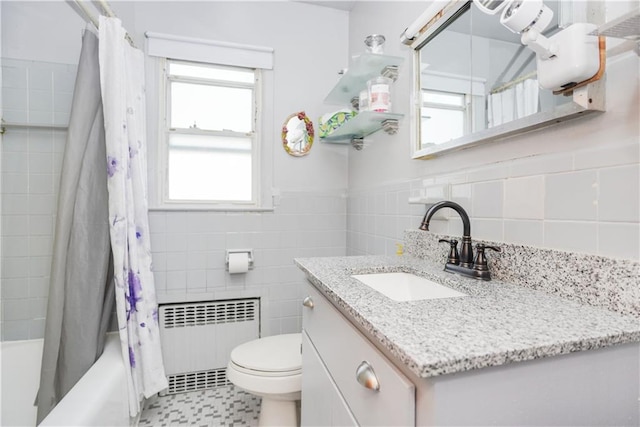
(469, 70)
(363, 68)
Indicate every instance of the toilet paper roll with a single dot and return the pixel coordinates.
(238, 262)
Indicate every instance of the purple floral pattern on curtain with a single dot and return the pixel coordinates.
(122, 85)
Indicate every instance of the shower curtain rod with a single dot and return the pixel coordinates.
(514, 82)
(88, 16)
(4, 126)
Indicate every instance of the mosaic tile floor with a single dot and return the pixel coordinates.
(223, 406)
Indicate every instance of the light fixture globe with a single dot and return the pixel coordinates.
(521, 16)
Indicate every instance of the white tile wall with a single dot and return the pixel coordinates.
(585, 201)
(33, 93)
(189, 253)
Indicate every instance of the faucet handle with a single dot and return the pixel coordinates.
(454, 257)
(480, 261)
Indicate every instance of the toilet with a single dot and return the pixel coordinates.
(270, 367)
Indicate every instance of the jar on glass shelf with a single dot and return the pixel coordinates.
(379, 94)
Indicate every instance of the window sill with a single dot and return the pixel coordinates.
(209, 208)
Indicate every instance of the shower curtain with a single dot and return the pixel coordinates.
(513, 103)
(81, 290)
(122, 84)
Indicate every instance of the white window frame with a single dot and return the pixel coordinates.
(167, 130)
(159, 48)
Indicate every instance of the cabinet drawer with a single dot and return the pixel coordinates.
(343, 349)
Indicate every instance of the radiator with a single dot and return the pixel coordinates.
(197, 339)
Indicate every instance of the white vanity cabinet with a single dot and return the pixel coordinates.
(333, 352)
(597, 387)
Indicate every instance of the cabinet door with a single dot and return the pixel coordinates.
(343, 350)
(322, 403)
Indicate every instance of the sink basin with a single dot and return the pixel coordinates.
(406, 286)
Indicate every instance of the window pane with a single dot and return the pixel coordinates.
(441, 125)
(209, 168)
(211, 107)
(210, 72)
(453, 99)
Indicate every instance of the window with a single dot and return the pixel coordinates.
(211, 138)
(444, 116)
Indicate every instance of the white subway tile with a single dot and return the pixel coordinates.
(40, 184)
(215, 279)
(37, 308)
(176, 281)
(40, 163)
(176, 242)
(619, 240)
(41, 204)
(486, 229)
(40, 246)
(196, 280)
(39, 266)
(15, 99)
(608, 155)
(571, 196)
(41, 225)
(39, 287)
(15, 183)
(524, 198)
(197, 260)
(15, 116)
(15, 288)
(14, 268)
(14, 225)
(524, 232)
(571, 236)
(619, 194)
(40, 100)
(15, 309)
(39, 143)
(38, 117)
(487, 199)
(41, 77)
(15, 162)
(14, 247)
(176, 222)
(15, 204)
(176, 261)
(14, 76)
(60, 118)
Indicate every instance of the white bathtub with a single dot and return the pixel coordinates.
(98, 399)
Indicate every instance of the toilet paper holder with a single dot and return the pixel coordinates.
(249, 253)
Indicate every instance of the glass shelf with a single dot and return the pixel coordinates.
(362, 68)
(365, 123)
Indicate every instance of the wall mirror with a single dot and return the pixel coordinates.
(297, 134)
(474, 81)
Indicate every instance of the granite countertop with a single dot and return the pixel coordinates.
(498, 323)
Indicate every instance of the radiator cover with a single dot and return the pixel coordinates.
(197, 339)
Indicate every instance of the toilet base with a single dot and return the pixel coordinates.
(278, 413)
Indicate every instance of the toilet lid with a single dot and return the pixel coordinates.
(278, 353)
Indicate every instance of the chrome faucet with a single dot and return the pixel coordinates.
(463, 263)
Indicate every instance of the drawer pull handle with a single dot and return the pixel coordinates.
(367, 377)
(307, 302)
